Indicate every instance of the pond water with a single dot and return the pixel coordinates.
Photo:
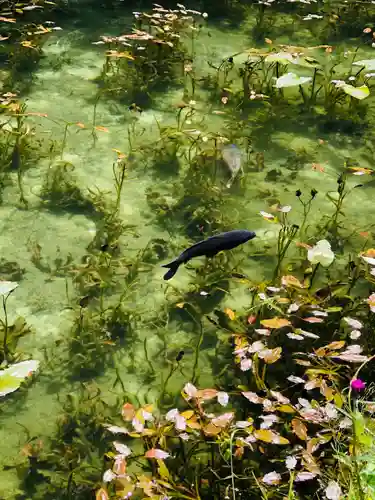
(295, 153)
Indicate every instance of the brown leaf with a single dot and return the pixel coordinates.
(270, 356)
(291, 281)
(299, 429)
(211, 430)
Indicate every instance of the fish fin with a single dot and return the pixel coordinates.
(173, 268)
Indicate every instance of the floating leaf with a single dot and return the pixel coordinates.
(291, 80)
(7, 287)
(280, 57)
(286, 409)
(11, 378)
(275, 323)
(231, 315)
(356, 92)
(157, 453)
(291, 281)
(269, 436)
(299, 429)
(270, 356)
(313, 319)
(369, 64)
(7, 19)
(253, 397)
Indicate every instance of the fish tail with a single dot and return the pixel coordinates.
(173, 268)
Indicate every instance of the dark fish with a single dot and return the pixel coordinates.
(209, 247)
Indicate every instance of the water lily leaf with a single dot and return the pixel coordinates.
(291, 80)
(7, 287)
(269, 436)
(280, 57)
(11, 378)
(369, 64)
(299, 429)
(270, 356)
(356, 92)
(275, 323)
(286, 409)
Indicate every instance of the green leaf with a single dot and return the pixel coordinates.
(356, 92)
(369, 64)
(291, 80)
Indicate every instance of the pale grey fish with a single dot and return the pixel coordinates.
(232, 157)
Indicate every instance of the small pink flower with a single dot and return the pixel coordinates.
(357, 385)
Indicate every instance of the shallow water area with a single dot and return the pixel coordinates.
(91, 132)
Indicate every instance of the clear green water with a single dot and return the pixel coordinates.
(64, 90)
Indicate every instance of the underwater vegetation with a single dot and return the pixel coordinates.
(250, 373)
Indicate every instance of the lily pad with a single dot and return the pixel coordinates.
(7, 287)
(280, 57)
(369, 64)
(356, 92)
(11, 378)
(291, 80)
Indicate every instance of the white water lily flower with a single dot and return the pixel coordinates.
(272, 478)
(175, 417)
(12, 377)
(294, 336)
(333, 491)
(304, 476)
(371, 302)
(290, 462)
(242, 424)
(296, 380)
(321, 254)
(115, 429)
(223, 398)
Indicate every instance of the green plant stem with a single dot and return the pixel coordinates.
(5, 326)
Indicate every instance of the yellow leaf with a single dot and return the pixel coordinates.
(180, 305)
(335, 345)
(270, 356)
(211, 430)
(187, 414)
(269, 436)
(163, 470)
(275, 323)
(101, 129)
(291, 281)
(286, 409)
(231, 315)
(283, 300)
(299, 429)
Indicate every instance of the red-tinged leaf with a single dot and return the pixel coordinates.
(80, 125)
(253, 397)
(128, 412)
(206, 394)
(251, 320)
(313, 319)
(303, 245)
(156, 453)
